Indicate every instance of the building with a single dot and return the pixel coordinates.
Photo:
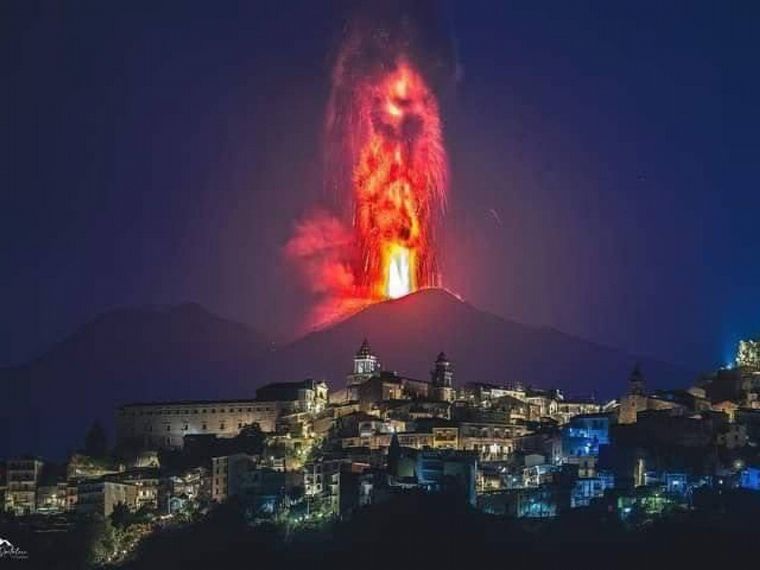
(534, 502)
(368, 384)
(229, 474)
(366, 365)
(748, 354)
(442, 378)
(188, 487)
(584, 434)
(52, 498)
(308, 396)
(586, 489)
(165, 425)
(146, 484)
(637, 400)
(750, 478)
(332, 486)
(23, 476)
(492, 441)
(448, 471)
(101, 497)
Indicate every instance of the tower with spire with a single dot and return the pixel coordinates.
(635, 400)
(442, 378)
(636, 381)
(366, 365)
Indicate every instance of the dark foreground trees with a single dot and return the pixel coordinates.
(428, 531)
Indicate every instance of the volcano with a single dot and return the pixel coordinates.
(407, 334)
(186, 352)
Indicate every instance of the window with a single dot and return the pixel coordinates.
(203, 427)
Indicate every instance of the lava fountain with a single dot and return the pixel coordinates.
(388, 168)
(399, 183)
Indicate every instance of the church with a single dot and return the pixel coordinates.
(369, 384)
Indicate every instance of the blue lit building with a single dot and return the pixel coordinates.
(446, 470)
(584, 434)
(589, 488)
(750, 478)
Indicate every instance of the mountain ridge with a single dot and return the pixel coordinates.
(411, 330)
(184, 352)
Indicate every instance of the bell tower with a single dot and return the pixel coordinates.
(366, 365)
(442, 378)
(635, 400)
(636, 381)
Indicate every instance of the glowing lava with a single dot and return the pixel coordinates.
(385, 130)
(400, 274)
(399, 184)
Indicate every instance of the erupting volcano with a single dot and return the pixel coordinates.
(398, 183)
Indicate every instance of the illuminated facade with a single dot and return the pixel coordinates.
(748, 354)
(23, 476)
(366, 365)
(165, 425)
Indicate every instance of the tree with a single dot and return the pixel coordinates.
(121, 517)
(96, 442)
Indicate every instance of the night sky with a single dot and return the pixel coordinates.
(605, 172)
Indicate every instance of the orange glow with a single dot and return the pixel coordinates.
(389, 132)
(398, 184)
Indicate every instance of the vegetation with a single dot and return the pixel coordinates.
(437, 531)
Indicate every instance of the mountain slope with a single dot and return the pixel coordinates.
(185, 352)
(125, 355)
(409, 332)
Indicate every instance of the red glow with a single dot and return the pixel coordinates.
(398, 189)
(398, 184)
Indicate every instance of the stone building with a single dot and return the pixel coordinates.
(164, 425)
(368, 384)
(637, 400)
(100, 497)
(442, 378)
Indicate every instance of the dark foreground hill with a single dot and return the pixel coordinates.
(185, 352)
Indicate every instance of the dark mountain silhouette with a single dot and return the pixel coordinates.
(125, 355)
(408, 333)
(185, 352)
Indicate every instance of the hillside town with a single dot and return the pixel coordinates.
(299, 454)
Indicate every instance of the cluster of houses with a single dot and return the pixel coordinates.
(301, 451)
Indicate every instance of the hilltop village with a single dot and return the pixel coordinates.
(299, 454)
